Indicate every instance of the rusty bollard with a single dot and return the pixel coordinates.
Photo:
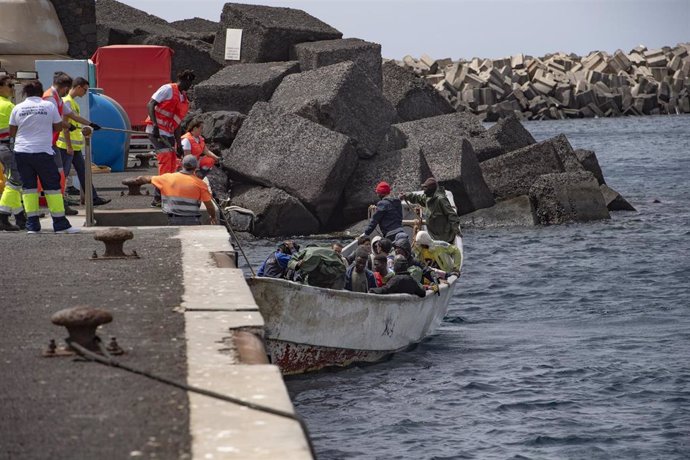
(114, 239)
(81, 323)
(134, 184)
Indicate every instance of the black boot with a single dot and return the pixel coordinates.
(5, 224)
(20, 220)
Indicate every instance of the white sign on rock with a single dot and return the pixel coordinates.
(233, 44)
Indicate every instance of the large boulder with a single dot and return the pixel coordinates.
(284, 150)
(412, 96)
(237, 88)
(221, 126)
(588, 160)
(512, 174)
(202, 29)
(268, 33)
(277, 213)
(450, 157)
(340, 97)
(404, 170)
(510, 134)
(518, 211)
(367, 55)
(566, 153)
(188, 54)
(614, 201)
(219, 182)
(567, 197)
(111, 13)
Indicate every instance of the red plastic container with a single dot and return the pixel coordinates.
(130, 74)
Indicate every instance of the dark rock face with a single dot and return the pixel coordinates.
(450, 157)
(189, 54)
(277, 213)
(588, 160)
(220, 183)
(509, 134)
(116, 15)
(340, 97)
(412, 97)
(566, 153)
(284, 150)
(513, 174)
(203, 29)
(221, 127)
(78, 19)
(366, 55)
(518, 211)
(614, 201)
(268, 33)
(567, 197)
(403, 169)
(237, 88)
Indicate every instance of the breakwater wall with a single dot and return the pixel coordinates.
(559, 85)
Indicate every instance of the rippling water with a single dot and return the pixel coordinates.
(561, 342)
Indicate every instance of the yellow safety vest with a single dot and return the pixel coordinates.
(6, 107)
(76, 136)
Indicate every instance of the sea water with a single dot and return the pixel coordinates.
(569, 341)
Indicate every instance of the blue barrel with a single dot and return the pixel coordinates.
(108, 148)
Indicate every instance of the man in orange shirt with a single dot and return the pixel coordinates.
(182, 194)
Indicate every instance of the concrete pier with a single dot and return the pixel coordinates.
(182, 310)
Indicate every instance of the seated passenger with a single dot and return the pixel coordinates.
(437, 254)
(275, 265)
(358, 278)
(402, 282)
(318, 266)
(381, 271)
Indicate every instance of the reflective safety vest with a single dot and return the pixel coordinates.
(170, 113)
(51, 93)
(76, 136)
(6, 107)
(181, 194)
(197, 147)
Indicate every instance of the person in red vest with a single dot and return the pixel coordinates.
(167, 107)
(193, 143)
(62, 83)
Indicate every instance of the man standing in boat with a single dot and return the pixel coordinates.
(388, 215)
(442, 221)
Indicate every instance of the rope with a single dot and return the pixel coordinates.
(108, 360)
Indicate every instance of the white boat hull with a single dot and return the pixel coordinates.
(309, 328)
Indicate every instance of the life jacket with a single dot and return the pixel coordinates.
(170, 113)
(76, 136)
(197, 147)
(6, 107)
(51, 93)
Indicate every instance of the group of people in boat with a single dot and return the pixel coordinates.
(388, 264)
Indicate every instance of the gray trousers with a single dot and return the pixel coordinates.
(183, 220)
(10, 165)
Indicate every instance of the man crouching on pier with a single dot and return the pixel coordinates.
(182, 194)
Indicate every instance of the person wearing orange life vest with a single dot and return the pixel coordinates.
(193, 143)
(62, 83)
(182, 194)
(167, 107)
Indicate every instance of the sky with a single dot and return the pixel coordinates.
(478, 28)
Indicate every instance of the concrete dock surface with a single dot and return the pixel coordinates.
(177, 310)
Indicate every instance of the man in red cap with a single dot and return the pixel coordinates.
(442, 220)
(388, 215)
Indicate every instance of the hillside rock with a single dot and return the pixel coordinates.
(366, 55)
(237, 88)
(284, 150)
(567, 197)
(268, 33)
(277, 213)
(342, 98)
(412, 97)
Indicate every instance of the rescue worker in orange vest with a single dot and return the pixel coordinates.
(193, 143)
(182, 194)
(167, 107)
(62, 83)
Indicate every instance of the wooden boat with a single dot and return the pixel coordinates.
(309, 328)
